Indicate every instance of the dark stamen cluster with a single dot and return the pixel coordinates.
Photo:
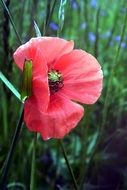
(55, 80)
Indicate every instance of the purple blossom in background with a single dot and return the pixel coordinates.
(92, 36)
(74, 4)
(83, 25)
(103, 12)
(111, 43)
(117, 38)
(123, 10)
(106, 35)
(123, 45)
(54, 26)
(93, 3)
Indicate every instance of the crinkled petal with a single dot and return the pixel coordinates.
(53, 48)
(82, 76)
(50, 47)
(40, 87)
(62, 116)
(25, 51)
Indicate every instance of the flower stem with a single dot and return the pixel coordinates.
(68, 165)
(32, 177)
(8, 160)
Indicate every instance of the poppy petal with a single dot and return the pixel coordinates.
(25, 51)
(40, 88)
(53, 47)
(82, 76)
(58, 120)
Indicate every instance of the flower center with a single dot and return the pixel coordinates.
(55, 80)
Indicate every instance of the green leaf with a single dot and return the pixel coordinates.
(37, 30)
(26, 90)
(61, 13)
(93, 140)
(16, 184)
(9, 85)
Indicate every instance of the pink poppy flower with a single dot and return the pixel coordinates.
(61, 78)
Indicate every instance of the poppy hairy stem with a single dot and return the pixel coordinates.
(66, 158)
(68, 165)
(33, 165)
(32, 175)
(6, 167)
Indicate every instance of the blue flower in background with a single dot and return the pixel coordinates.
(54, 26)
(93, 3)
(92, 36)
(83, 25)
(74, 4)
(123, 10)
(103, 12)
(106, 35)
(123, 45)
(117, 38)
(111, 43)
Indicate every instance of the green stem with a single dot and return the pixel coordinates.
(65, 154)
(33, 165)
(68, 165)
(6, 167)
(32, 178)
(10, 17)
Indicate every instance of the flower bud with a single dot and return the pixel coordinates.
(26, 89)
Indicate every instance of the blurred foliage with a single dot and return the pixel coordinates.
(96, 27)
